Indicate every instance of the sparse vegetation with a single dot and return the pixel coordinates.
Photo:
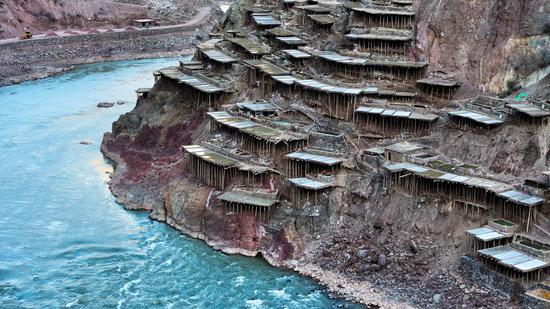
(511, 86)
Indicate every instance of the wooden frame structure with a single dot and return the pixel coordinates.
(249, 49)
(279, 32)
(385, 17)
(240, 201)
(249, 11)
(257, 108)
(288, 42)
(432, 88)
(264, 20)
(321, 22)
(469, 118)
(352, 67)
(335, 101)
(401, 151)
(305, 10)
(297, 57)
(389, 121)
(305, 190)
(255, 138)
(302, 163)
(283, 84)
(487, 237)
(210, 167)
(497, 196)
(142, 93)
(382, 43)
(393, 95)
(260, 72)
(525, 113)
(195, 91)
(515, 264)
(217, 60)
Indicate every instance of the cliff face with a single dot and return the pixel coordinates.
(403, 245)
(146, 146)
(495, 45)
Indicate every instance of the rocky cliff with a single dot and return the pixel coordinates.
(496, 46)
(382, 249)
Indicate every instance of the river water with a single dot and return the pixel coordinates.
(64, 242)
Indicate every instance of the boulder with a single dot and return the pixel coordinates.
(105, 105)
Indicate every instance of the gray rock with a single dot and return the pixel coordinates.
(105, 104)
(437, 298)
(361, 253)
(382, 260)
(413, 247)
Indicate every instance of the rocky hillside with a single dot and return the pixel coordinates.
(367, 240)
(46, 15)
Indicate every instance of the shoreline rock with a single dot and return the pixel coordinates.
(105, 105)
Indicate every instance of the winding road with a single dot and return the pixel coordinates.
(197, 20)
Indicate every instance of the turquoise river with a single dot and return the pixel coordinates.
(65, 243)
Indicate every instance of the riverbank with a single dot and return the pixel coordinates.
(46, 56)
(67, 244)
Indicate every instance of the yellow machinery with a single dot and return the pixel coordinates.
(26, 35)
